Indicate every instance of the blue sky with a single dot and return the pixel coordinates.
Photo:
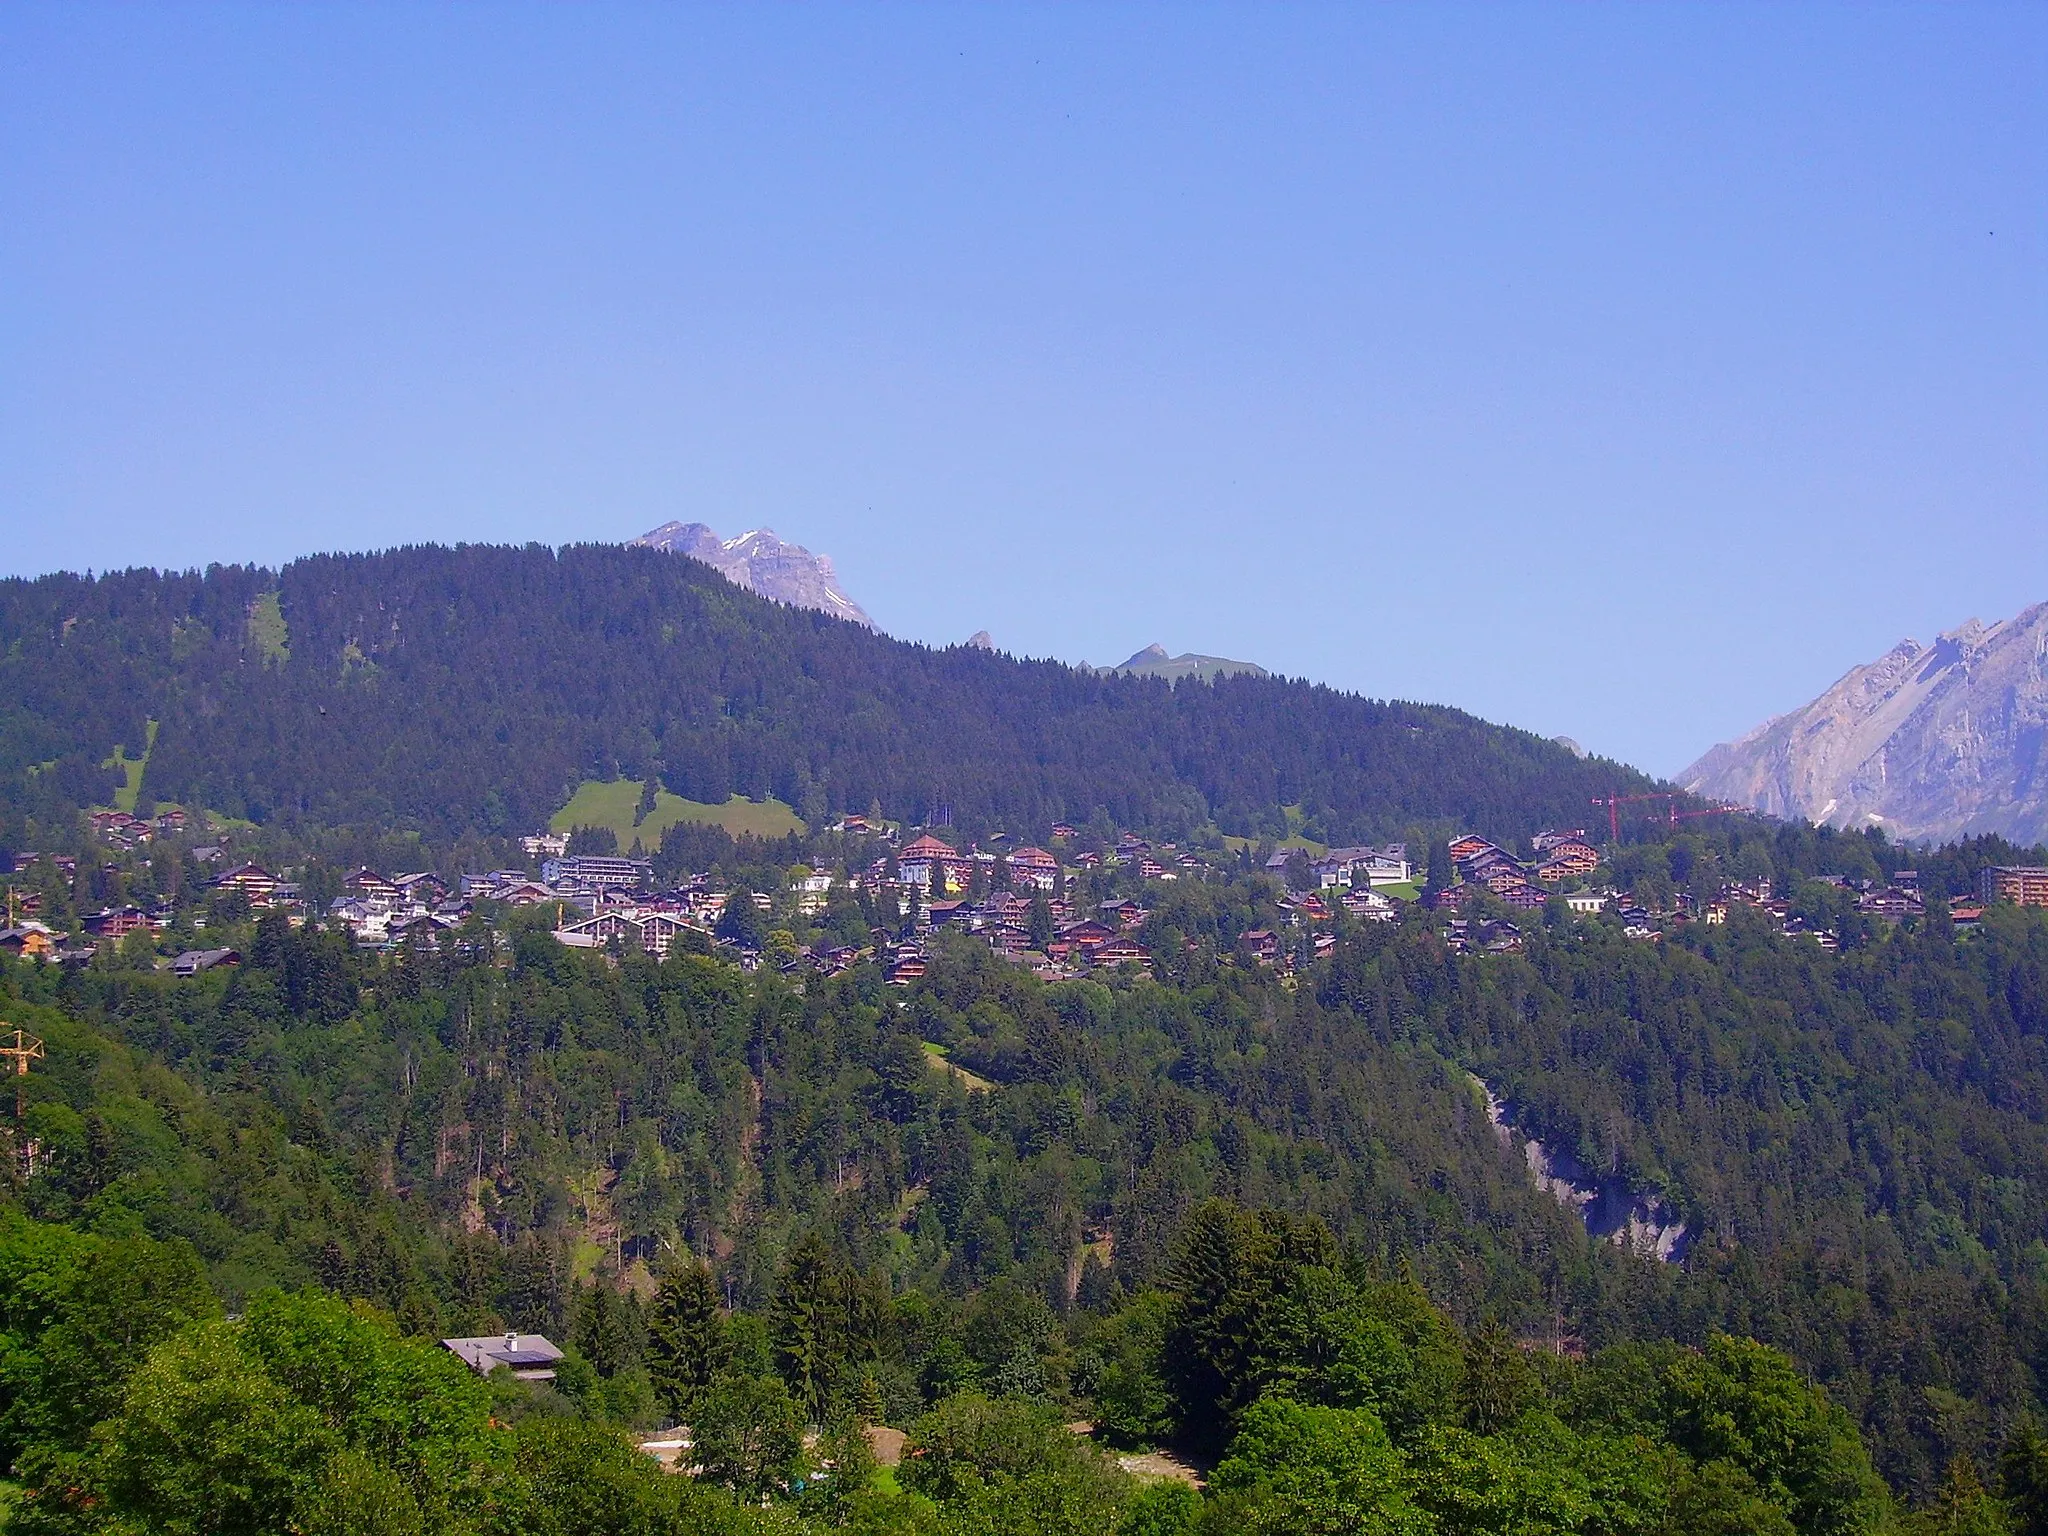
(1623, 371)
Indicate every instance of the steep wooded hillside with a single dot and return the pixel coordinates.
(469, 689)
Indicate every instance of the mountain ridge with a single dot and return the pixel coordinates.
(1153, 661)
(1936, 741)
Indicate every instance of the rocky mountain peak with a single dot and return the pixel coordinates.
(763, 564)
(1928, 741)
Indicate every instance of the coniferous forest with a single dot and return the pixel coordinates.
(1241, 1220)
(470, 689)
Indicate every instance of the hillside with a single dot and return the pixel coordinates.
(1929, 741)
(473, 689)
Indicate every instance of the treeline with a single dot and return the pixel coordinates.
(467, 690)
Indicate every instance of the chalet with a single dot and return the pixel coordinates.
(528, 1356)
(1312, 907)
(652, 933)
(1966, 915)
(423, 929)
(545, 845)
(1498, 938)
(1125, 914)
(1556, 837)
(426, 887)
(1452, 898)
(1489, 866)
(1008, 938)
(114, 922)
(1087, 936)
(1150, 868)
(31, 941)
(1088, 859)
(1521, 896)
(961, 914)
(1567, 860)
(1062, 832)
(1891, 904)
(1262, 944)
(905, 969)
(252, 880)
(193, 961)
(1034, 867)
(368, 886)
(1121, 952)
(1587, 902)
(1324, 945)
(1469, 847)
(525, 893)
(837, 961)
(170, 823)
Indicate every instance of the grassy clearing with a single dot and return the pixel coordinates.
(611, 803)
(131, 770)
(269, 635)
(968, 1080)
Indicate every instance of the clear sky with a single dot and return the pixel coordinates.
(1624, 371)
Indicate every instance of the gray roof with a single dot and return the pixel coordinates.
(526, 1355)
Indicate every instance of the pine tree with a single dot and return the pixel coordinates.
(686, 1339)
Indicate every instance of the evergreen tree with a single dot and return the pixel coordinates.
(686, 1338)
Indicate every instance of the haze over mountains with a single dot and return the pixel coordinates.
(1928, 741)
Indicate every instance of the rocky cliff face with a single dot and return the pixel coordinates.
(1928, 741)
(762, 563)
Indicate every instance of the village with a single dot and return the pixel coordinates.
(1075, 907)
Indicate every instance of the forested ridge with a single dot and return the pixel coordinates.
(470, 689)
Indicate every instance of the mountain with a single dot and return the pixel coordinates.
(762, 563)
(472, 689)
(1154, 662)
(1929, 741)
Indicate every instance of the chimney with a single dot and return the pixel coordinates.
(511, 1343)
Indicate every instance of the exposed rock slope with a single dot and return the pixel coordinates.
(1934, 741)
(762, 563)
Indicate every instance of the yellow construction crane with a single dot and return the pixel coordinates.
(22, 1047)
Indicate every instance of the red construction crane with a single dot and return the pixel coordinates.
(1672, 814)
(1713, 810)
(1614, 816)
